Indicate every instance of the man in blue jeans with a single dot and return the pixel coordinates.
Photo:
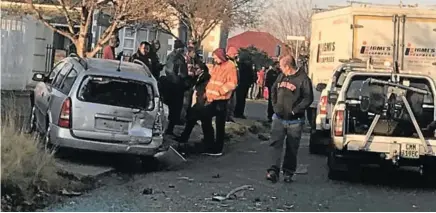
(291, 95)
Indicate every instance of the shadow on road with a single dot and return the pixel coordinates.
(394, 179)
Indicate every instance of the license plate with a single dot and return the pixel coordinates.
(111, 125)
(410, 151)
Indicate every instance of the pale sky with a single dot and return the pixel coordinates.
(325, 3)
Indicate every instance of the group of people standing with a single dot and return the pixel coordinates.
(194, 93)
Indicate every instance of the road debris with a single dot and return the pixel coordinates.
(170, 158)
(253, 129)
(70, 193)
(288, 206)
(233, 194)
(250, 151)
(263, 137)
(171, 186)
(280, 210)
(274, 198)
(219, 198)
(185, 178)
(216, 176)
(234, 191)
(147, 191)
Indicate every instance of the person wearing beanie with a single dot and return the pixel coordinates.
(219, 90)
(176, 79)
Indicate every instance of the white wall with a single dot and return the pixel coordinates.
(23, 48)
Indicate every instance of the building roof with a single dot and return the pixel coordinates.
(261, 40)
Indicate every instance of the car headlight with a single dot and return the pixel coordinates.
(157, 125)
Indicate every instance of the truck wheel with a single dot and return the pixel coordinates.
(316, 144)
(429, 173)
(333, 172)
(313, 148)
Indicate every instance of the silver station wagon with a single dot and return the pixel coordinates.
(97, 104)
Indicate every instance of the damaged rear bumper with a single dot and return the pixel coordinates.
(62, 137)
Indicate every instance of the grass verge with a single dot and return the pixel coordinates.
(29, 176)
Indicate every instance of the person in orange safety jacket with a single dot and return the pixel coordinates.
(219, 90)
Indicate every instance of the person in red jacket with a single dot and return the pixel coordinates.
(109, 50)
(259, 83)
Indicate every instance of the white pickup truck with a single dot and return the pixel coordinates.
(364, 31)
(385, 119)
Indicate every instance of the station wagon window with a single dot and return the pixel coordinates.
(116, 92)
(60, 76)
(55, 71)
(68, 82)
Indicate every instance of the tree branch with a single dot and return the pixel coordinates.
(67, 16)
(38, 16)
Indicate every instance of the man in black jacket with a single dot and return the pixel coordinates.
(142, 54)
(197, 111)
(271, 77)
(291, 95)
(176, 81)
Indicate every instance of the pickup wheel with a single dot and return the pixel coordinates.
(429, 173)
(333, 172)
(317, 144)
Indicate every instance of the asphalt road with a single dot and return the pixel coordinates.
(192, 187)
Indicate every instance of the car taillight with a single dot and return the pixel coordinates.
(339, 123)
(323, 105)
(65, 115)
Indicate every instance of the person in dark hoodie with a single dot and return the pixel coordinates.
(142, 54)
(175, 84)
(197, 111)
(291, 95)
(156, 66)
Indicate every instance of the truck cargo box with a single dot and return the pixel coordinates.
(381, 33)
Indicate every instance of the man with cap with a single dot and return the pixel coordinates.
(175, 84)
(291, 95)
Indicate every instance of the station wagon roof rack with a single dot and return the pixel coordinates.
(79, 59)
(136, 61)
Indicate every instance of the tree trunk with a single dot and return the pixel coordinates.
(80, 47)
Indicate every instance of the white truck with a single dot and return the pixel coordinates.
(378, 33)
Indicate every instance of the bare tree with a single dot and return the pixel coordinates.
(201, 17)
(288, 18)
(79, 13)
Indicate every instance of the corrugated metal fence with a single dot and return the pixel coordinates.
(17, 39)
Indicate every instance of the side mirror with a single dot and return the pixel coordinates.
(320, 87)
(332, 97)
(38, 77)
